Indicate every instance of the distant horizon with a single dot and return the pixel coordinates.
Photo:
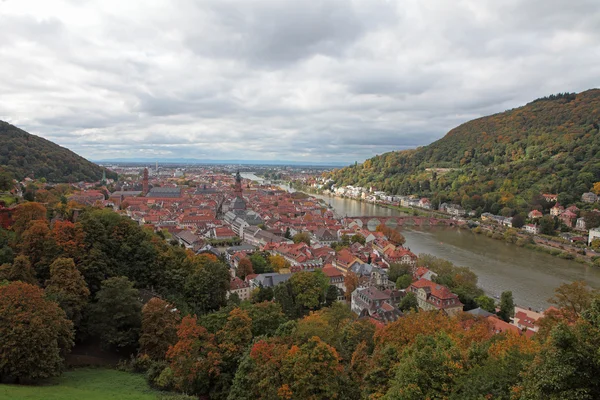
(151, 161)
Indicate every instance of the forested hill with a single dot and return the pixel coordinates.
(23, 154)
(551, 145)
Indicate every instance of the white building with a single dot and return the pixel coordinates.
(593, 234)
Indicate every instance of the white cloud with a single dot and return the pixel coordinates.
(334, 80)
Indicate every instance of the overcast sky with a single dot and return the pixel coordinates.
(282, 80)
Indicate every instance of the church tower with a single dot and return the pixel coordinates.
(238, 185)
(145, 182)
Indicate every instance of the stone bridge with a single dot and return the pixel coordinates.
(371, 223)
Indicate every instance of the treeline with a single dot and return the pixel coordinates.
(500, 162)
(25, 155)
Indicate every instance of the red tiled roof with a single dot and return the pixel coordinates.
(435, 289)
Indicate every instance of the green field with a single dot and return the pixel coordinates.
(88, 384)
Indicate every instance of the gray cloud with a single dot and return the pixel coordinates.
(337, 80)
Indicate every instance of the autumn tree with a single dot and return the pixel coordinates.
(278, 262)
(311, 371)
(37, 244)
(115, 317)
(195, 359)
(35, 334)
(19, 270)
(25, 213)
(159, 328)
(68, 288)
(301, 237)
(244, 268)
(69, 239)
(574, 297)
(235, 335)
(596, 188)
(351, 283)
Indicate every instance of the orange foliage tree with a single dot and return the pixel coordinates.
(194, 360)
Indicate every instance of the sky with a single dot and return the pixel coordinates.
(337, 80)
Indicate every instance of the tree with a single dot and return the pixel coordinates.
(351, 283)
(331, 295)
(357, 238)
(547, 225)
(34, 333)
(6, 180)
(259, 263)
(115, 318)
(244, 268)
(396, 270)
(19, 270)
(287, 234)
(403, 281)
(310, 371)
(194, 360)
(159, 328)
(278, 262)
(409, 302)
(68, 288)
(38, 245)
(518, 221)
(266, 317)
(309, 288)
(262, 294)
(574, 297)
(568, 364)
(301, 237)
(206, 289)
(69, 239)
(26, 213)
(235, 336)
(486, 303)
(507, 306)
(596, 188)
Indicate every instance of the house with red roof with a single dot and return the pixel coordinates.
(344, 260)
(240, 287)
(535, 214)
(433, 296)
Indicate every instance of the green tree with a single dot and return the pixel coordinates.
(403, 281)
(309, 288)
(409, 302)
(486, 303)
(547, 225)
(115, 317)
(68, 288)
(206, 289)
(331, 295)
(159, 328)
(507, 306)
(568, 365)
(35, 334)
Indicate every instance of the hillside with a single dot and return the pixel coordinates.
(23, 154)
(551, 145)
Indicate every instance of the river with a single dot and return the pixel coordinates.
(532, 276)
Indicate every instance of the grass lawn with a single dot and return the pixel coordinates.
(88, 384)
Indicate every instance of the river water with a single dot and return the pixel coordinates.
(500, 266)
